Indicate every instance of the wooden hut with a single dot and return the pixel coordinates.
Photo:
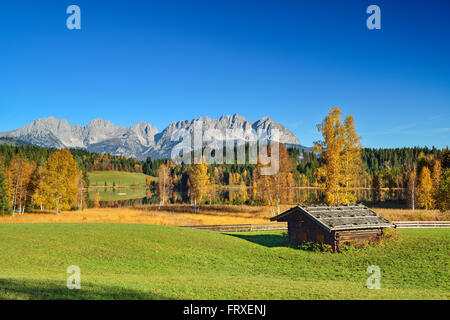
(333, 225)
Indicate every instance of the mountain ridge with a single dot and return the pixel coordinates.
(140, 140)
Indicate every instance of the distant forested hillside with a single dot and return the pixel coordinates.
(87, 161)
(375, 161)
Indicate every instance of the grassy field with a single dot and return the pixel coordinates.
(98, 178)
(125, 261)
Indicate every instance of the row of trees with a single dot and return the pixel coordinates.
(58, 184)
(429, 182)
(203, 180)
(391, 167)
(86, 161)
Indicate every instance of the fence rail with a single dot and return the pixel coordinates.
(283, 226)
(243, 227)
(422, 224)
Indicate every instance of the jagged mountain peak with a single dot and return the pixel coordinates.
(99, 123)
(265, 119)
(140, 140)
(49, 121)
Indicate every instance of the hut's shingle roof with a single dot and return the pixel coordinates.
(346, 217)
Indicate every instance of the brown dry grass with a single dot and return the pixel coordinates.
(413, 215)
(176, 215)
(129, 215)
(217, 209)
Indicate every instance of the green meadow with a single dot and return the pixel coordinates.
(98, 178)
(132, 261)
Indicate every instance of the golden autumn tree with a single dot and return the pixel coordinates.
(199, 183)
(351, 161)
(436, 171)
(341, 153)
(81, 184)
(19, 176)
(436, 174)
(273, 189)
(425, 189)
(58, 188)
(330, 175)
(164, 183)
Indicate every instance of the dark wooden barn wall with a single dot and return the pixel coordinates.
(302, 230)
(349, 236)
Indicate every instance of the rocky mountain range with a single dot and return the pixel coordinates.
(141, 140)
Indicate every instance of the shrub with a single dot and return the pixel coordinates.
(355, 245)
(389, 235)
(315, 247)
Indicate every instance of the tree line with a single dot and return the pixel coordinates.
(245, 184)
(58, 184)
(86, 161)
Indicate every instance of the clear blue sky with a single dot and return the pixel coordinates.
(161, 61)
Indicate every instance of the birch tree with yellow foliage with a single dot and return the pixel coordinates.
(199, 183)
(19, 176)
(330, 175)
(351, 161)
(341, 153)
(425, 189)
(164, 183)
(58, 188)
(274, 189)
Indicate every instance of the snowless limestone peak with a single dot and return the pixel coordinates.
(140, 140)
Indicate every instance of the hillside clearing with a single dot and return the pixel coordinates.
(120, 178)
(124, 261)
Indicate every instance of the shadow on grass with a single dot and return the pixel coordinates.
(12, 289)
(267, 240)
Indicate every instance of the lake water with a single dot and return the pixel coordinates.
(116, 197)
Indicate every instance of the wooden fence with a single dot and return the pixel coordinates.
(283, 226)
(243, 227)
(422, 224)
